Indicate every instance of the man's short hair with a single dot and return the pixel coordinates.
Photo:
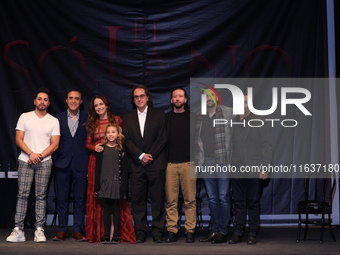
(74, 90)
(43, 90)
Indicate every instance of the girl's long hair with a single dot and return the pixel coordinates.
(92, 122)
(120, 138)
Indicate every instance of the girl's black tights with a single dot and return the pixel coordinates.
(111, 206)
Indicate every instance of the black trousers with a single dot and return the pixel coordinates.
(246, 196)
(140, 184)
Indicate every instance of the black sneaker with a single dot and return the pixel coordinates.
(172, 237)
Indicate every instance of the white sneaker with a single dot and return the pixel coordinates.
(16, 236)
(39, 235)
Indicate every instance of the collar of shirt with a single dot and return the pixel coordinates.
(69, 115)
(144, 112)
(142, 119)
(72, 124)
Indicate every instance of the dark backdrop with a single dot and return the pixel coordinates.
(108, 47)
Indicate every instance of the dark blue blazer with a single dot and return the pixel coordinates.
(71, 147)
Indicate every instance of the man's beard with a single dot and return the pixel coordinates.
(41, 108)
(178, 106)
(210, 105)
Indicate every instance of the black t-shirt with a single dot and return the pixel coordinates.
(179, 138)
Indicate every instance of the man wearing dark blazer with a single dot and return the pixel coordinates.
(70, 164)
(145, 138)
(251, 146)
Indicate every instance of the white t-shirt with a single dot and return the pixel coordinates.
(38, 132)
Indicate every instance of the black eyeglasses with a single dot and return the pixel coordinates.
(140, 96)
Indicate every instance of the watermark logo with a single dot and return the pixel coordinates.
(239, 104)
(291, 114)
(238, 100)
(209, 90)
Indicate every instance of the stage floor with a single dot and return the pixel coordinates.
(271, 240)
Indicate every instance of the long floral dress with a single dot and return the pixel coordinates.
(94, 208)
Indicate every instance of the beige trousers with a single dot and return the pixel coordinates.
(180, 176)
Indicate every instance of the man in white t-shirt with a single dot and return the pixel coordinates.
(37, 135)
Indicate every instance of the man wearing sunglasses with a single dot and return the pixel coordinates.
(144, 130)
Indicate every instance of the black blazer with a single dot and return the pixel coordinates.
(71, 147)
(252, 147)
(153, 141)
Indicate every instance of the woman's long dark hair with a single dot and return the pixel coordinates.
(93, 117)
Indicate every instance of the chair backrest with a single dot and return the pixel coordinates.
(320, 187)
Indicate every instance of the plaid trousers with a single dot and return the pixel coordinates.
(26, 173)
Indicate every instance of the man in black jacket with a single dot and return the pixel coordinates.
(145, 138)
(251, 147)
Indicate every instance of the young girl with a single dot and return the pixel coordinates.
(111, 179)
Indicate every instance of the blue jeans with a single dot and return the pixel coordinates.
(218, 190)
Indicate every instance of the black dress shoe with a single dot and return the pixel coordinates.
(220, 238)
(157, 239)
(140, 238)
(190, 237)
(172, 237)
(235, 239)
(251, 240)
(209, 238)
